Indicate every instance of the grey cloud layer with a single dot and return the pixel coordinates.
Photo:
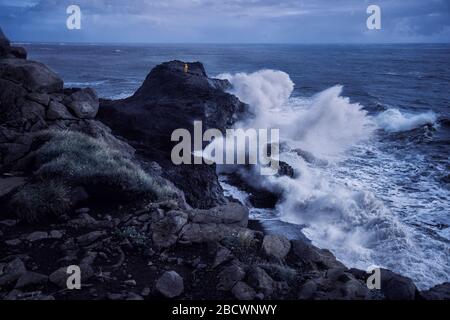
(227, 20)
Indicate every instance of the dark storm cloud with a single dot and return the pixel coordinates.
(227, 20)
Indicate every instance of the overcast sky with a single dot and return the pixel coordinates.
(227, 21)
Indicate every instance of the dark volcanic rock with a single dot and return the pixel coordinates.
(33, 76)
(276, 247)
(312, 257)
(4, 44)
(84, 103)
(170, 284)
(171, 99)
(397, 287)
(8, 51)
(18, 52)
(439, 292)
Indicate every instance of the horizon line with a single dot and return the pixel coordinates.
(224, 43)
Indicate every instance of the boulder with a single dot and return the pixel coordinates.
(397, 287)
(211, 232)
(354, 290)
(276, 247)
(12, 272)
(4, 45)
(439, 292)
(222, 255)
(31, 279)
(312, 257)
(170, 284)
(59, 277)
(41, 98)
(231, 214)
(171, 99)
(166, 230)
(37, 236)
(32, 111)
(57, 111)
(90, 237)
(84, 103)
(307, 290)
(261, 281)
(10, 93)
(9, 184)
(13, 242)
(229, 276)
(18, 52)
(32, 75)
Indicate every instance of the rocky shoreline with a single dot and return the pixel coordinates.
(90, 183)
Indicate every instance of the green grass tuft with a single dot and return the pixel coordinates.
(82, 160)
(45, 199)
(68, 159)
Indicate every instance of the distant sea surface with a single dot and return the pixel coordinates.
(382, 197)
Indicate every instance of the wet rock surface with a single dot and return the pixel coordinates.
(171, 99)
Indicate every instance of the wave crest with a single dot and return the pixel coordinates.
(393, 120)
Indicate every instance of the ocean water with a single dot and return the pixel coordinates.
(367, 128)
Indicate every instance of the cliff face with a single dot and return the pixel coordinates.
(8, 51)
(51, 146)
(72, 193)
(170, 99)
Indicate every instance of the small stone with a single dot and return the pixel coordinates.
(56, 234)
(58, 111)
(78, 195)
(276, 246)
(12, 271)
(145, 292)
(13, 295)
(243, 291)
(31, 279)
(261, 281)
(170, 284)
(222, 255)
(144, 218)
(308, 290)
(8, 223)
(13, 242)
(90, 237)
(130, 282)
(115, 296)
(84, 103)
(59, 277)
(259, 296)
(131, 296)
(82, 210)
(43, 99)
(37, 236)
(229, 276)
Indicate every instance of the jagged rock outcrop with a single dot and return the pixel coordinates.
(171, 99)
(8, 51)
(36, 108)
